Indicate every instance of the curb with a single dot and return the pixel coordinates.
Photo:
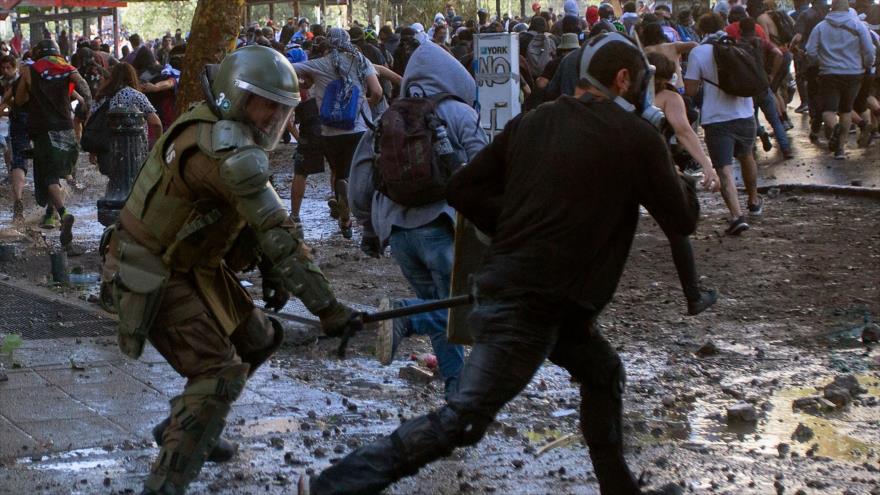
(852, 191)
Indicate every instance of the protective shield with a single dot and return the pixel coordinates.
(467, 258)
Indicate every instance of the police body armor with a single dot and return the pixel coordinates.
(165, 228)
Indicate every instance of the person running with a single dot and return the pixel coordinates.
(845, 51)
(343, 61)
(729, 125)
(46, 87)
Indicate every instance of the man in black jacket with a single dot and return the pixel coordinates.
(559, 192)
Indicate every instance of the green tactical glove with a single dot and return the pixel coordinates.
(335, 319)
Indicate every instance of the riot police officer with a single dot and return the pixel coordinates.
(201, 209)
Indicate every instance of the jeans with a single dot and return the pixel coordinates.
(767, 104)
(512, 339)
(425, 258)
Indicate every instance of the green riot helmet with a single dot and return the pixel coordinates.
(257, 86)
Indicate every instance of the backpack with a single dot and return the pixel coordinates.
(414, 158)
(739, 73)
(96, 134)
(341, 103)
(540, 51)
(784, 25)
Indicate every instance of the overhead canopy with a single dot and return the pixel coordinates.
(61, 4)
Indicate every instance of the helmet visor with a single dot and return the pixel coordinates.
(266, 117)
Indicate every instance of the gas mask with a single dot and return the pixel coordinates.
(641, 93)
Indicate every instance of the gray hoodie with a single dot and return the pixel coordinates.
(841, 44)
(431, 70)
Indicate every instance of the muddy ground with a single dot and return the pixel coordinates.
(796, 292)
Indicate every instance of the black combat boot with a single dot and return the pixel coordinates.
(224, 451)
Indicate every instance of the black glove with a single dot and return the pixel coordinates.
(274, 294)
(335, 319)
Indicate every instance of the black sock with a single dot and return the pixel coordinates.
(49, 211)
(61, 211)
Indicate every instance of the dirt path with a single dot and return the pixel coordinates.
(796, 291)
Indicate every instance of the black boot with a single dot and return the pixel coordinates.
(700, 300)
(224, 451)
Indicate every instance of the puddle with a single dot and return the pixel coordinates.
(840, 435)
(72, 461)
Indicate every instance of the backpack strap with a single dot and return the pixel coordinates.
(844, 27)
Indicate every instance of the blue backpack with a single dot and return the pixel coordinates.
(341, 103)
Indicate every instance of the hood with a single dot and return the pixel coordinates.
(432, 70)
(839, 17)
(570, 8)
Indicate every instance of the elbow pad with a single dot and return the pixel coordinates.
(246, 173)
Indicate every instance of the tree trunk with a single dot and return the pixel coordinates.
(213, 34)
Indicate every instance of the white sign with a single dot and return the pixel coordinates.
(496, 68)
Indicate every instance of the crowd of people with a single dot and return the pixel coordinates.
(653, 99)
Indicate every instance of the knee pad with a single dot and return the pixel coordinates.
(424, 439)
(200, 412)
(256, 357)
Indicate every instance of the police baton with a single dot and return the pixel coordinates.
(360, 318)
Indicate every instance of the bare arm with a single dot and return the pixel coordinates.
(683, 47)
(375, 90)
(156, 87)
(155, 124)
(389, 74)
(691, 87)
(24, 87)
(81, 87)
(676, 116)
(777, 61)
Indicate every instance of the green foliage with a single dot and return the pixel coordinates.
(153, 19)
(10, 343)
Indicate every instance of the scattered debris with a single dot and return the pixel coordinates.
(707, 349)
(742, 412)
(416, 374)
(802, 433)
(562, 441)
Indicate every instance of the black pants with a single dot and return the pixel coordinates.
(513, 337)
(814, 96)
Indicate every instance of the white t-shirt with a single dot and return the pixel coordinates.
(718, 106)
(322, 73)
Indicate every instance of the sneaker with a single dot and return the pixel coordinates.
(755, 210)
(66, 229)
(787, 125)
(708, 297)
(334, 208)
(49, 221)
(390, 334)
(840, 154)
(802, 108)
(297, 226)
(737, 227)
(765, 141)
(814, 137)
(371, 246)
(787, 154)
(18, 212)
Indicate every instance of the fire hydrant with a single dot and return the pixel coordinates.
(128, 151)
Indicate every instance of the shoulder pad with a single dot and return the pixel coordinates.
(223, 136)
(245, 170)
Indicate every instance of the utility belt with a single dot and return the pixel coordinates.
(134, 282)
